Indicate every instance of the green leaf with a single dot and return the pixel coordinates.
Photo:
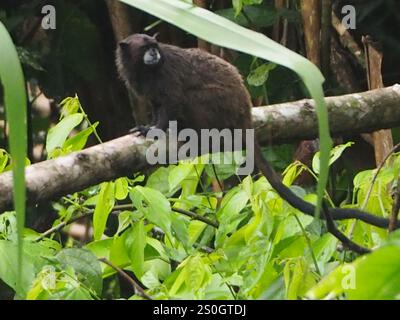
(69, 106)
(100, 248)
(135, 243)
(336, 152)
(179, 173)
(124, 220)
(237, 5)
(229, 215)
(232, 204)
(119, 254)
(78, 293)
(197, 272)
(121, 188)
(60, 132)
(324, 248)
(33, 257)
(12, 79)
(259, 76)
(85, 264)
(263, 16)
(180, 228)
(4, 157)
(371, 277)
(104, 205)
(158, 209)
(292, 172)
(159, 180)
(78, 141)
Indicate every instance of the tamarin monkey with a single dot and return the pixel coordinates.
(202, 91)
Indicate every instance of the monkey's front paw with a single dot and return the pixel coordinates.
(142, 130)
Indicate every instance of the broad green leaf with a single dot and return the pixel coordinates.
(198, 273)
(297, 278)
(195, 229)
(121, 188)
(179, 173)
(100, 248)
(150, 280)
(232, 204)
(85, 264)
(292, 172)
(180, 228)
(229, 216)
(60, 132)
(371, 277)
(33, 257)
(159, 180)
(259, 75)
(13, 83)
(104, 205)
(119, 254)
(78, 141)
(336, 152)
(177, 280)
(53, 285)
(78, 293)
(8, 226)
(324, 248)
(157, 209)
(135, 243)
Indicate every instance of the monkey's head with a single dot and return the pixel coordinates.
(136, 52)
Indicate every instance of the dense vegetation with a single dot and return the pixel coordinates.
(171, 231)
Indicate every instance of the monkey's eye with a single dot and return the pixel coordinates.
(151, 57)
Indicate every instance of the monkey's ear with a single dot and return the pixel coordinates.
(155, 35)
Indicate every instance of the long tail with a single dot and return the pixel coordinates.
(306, 207)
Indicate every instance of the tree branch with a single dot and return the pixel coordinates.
(49, 180)
(348, 115)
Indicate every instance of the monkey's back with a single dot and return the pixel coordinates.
(201, 90)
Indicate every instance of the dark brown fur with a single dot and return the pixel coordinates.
(202, 91)
(193, 87)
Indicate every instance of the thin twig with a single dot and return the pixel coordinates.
(138, 289)
(221, 188)
(195, 216)
(60, 226)
(308, 244)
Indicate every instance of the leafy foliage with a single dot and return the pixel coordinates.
(256, 246)
(261, 249)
